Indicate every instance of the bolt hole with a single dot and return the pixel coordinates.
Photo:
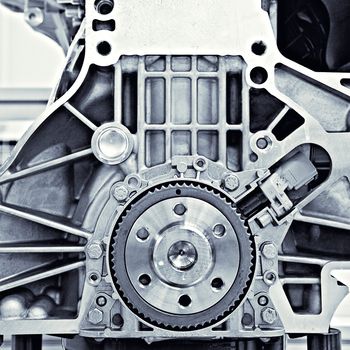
(145, 279)
(253, 157)
(133, 182)
(101, 301)
(262, 143)
(217, 284)
(142, 234)
(104, 7)
(259, 48)
(270, 277)
(263, 300)
(178, 192)
(200, 163)
(185, 300)
(94, 278)
(258, 75)
(179, 209)
(104, 48)
(219, 230)
(117, 320)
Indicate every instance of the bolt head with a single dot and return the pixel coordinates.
(121, 193)
(94, 250)
(95, 316)
(231, 182)
(269, 250)
(269, 315)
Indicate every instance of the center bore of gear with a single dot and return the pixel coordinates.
(194, 265)
(182, 255)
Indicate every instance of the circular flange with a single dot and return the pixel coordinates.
(184, 275)
(112, 143)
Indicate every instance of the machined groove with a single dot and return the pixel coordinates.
(51, 164)
(80, 116)
(46, 222)
(300, 280)
(302, 260)
(40, 249)
(31, 275)
(321, 221)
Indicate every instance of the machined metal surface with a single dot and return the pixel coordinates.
(187, 180)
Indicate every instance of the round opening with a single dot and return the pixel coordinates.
(113, 143)
(263, 300)
(117, 320)
(101, 301)
(217, 283)
(200, 163)
(178, 192)
(259, 48)
(253, 157)
(185, 300)
(32, 16)
(104, 48)
(133, 182)
(94, 278)
(270, 277)
(104, 7)
(219, 230)
(142, 234)
(145, 279)
(179, 209)
(182, 255)
(258, 75)
(262, 143)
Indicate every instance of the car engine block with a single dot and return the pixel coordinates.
(188, 181)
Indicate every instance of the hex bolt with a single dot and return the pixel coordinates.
(231, 182)
(269, 250)
(95, 316)
(121, 193)
(94, 250)
(269, 315)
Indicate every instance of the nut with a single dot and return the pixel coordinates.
(231, 182)
(269, 250)
(269, 315)
(95, 316)
(94, 250)
(121, 193)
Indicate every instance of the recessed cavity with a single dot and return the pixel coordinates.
(145, 279)
(104, 7)
(185, 300)
(104, 48)
(179, 209)
(258, 75)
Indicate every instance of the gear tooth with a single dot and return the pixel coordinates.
(226, 199)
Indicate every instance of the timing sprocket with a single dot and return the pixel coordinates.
(181, 257)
